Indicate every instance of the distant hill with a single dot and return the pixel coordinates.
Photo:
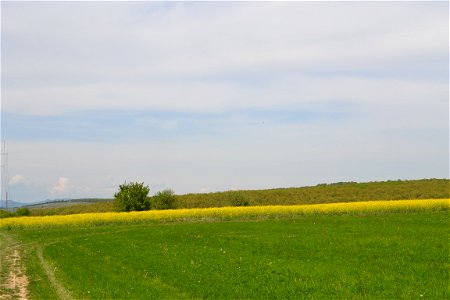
(64, 202)
(321, 193)
(12, 204)
(51, 203)
(325, 193)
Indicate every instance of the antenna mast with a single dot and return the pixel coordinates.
(4, 179)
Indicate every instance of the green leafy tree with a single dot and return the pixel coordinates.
(164, 200)
(132, 197)
(23, 211)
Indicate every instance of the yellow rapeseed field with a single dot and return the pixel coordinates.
(225, 213)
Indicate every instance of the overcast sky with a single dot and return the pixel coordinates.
(211, 96)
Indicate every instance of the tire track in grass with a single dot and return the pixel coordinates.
(168, 291)
(62, 292)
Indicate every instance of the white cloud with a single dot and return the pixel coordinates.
(61, 187)
(288, 93)
(161, 124)
(152, 56)
(203, 190)
(17, 179)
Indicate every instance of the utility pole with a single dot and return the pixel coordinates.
(4, 179)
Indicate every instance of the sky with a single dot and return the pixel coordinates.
(214, 96)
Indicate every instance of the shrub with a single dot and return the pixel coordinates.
(23, 211)
(164, 200)
(238, 199)
(4, 214)
(132, 197)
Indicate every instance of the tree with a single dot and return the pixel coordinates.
(164, 200)
(23, 211)
(132, 197)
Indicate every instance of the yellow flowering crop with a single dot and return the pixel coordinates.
(226, 213)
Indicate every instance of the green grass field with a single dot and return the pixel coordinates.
(383, 256)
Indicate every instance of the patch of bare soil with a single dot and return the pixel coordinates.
(16, 285)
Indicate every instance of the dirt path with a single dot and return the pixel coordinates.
(15, 285)
(13, 279)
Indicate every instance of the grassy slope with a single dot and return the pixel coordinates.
(78, 208)
(387, 190)
(338, 192)
(376, 256)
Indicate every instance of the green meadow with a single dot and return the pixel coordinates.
(365, 256)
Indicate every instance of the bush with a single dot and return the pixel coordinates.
(132, 197)
(238, 199)
(164, 200)
(23, 211)
(4, 214)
